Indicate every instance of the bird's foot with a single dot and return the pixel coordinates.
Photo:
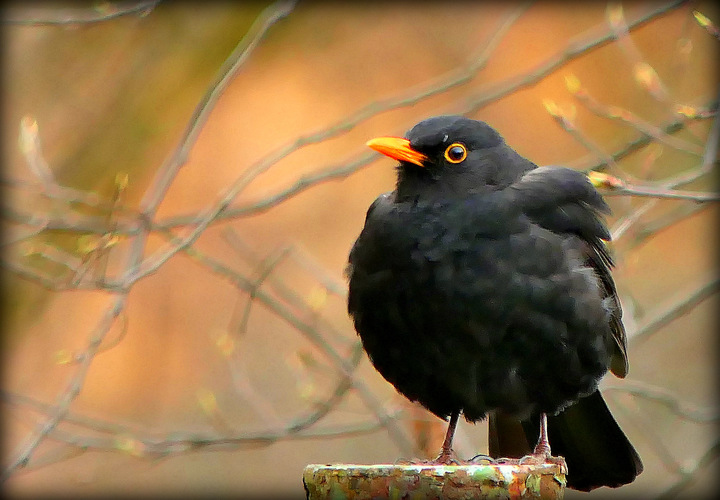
(532, 459)
(541, 456)
(408, 461)
(542, 459)
(447, 457)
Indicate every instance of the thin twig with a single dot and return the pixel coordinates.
(571, 52)
(683, 409)
(652, 438)
(265, 268)
(296, 429)
(671, 194)
(71, 391)
(143, 446)
(678, 309)
(656, 226)
(169, 169)
(86, 15)
(134, 442)
(313, 335)
(642, 126)
(689, 477)
(22, 400)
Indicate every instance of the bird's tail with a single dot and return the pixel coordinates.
(596, 450)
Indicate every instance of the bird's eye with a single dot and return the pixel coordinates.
(455, 153)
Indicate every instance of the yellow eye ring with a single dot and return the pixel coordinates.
(456, 152)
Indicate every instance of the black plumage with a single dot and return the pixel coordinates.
(482, 284)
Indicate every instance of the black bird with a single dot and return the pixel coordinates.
(482, 286)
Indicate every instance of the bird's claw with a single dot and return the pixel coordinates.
(444, 458)
(541, 459)
(447, 457)
(480, 458)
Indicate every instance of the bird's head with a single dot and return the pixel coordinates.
(448, 155)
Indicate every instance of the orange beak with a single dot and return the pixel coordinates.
(397, 148)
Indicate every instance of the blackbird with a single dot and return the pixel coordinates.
(481, 285)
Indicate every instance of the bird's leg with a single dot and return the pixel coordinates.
(541, 453)
(542, 448)
(447, 455)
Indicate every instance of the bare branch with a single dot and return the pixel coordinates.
(316, 338)
(144, 445)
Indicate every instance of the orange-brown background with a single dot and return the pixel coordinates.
(114, 97)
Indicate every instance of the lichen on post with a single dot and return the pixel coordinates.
(425, 481)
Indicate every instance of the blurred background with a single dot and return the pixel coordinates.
(182, 183)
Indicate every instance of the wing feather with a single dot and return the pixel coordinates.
(564, 201)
